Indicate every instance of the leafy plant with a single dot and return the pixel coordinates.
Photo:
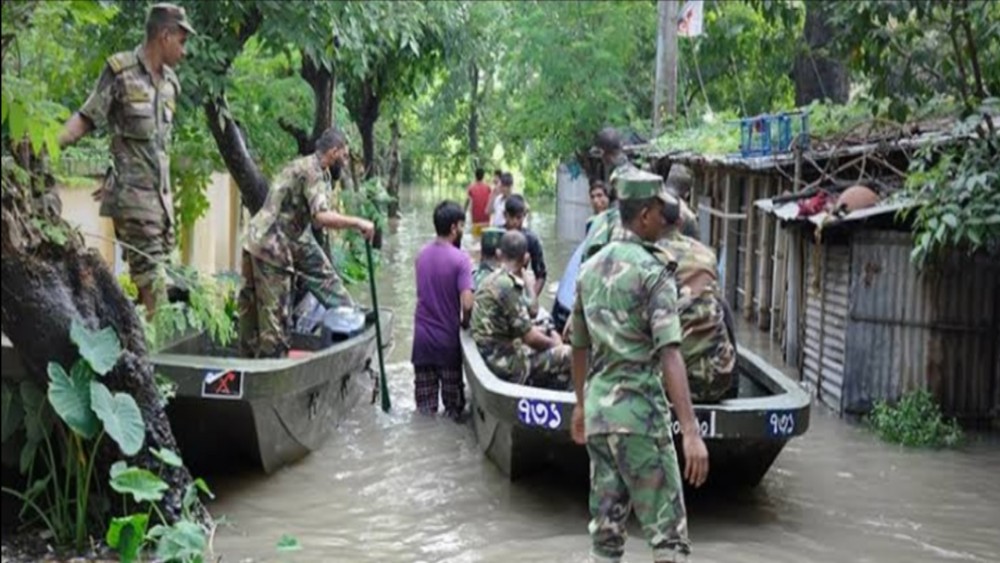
(348, 249)
(915, 420)
(209, 307)
(90, 411)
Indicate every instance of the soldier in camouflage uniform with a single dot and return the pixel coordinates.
(513, 348)
(135, 100)
(708, 351)
(488, 261)
(280, 244)
(625, 319)
(605, 226)
(679, 185)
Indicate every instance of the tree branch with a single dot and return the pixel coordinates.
(973, 52)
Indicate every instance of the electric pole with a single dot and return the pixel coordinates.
(665, 91)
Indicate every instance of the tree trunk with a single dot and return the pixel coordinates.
(366, 125)
(474, 114)
(392, 185)
(233, 148)
(818, 75)
(323, 83)
(46, 286)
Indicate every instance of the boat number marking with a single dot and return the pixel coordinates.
(222, 384)
(706, 423)
(780, 423)
(539, 413)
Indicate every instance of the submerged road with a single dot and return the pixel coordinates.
(403, 487)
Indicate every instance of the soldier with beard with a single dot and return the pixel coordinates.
(280, 244)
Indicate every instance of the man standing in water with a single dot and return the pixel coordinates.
(444, 298)
(135, 99)
(280, 244)
(625, 316)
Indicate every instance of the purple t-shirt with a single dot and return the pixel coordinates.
(443, 273)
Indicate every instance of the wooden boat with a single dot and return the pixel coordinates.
(522, 429)
(234, 412)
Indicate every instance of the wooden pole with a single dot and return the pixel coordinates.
(665, 90)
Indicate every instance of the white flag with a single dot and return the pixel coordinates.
(691, 19)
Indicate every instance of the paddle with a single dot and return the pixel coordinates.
(383, 386)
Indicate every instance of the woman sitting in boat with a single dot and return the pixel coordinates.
(707, 347)
(513, 347)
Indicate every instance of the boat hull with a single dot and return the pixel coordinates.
(523, 429)
(231, 412)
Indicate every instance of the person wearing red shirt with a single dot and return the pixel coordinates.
(478, 199)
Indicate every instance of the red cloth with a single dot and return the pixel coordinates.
(813, 205)
(479, 195)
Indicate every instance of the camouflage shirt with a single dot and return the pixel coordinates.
(625, 311)
(706, 347)
(500, 319)
(139, 114)
(281, 232)
(482, 272)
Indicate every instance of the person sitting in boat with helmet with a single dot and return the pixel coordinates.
(280, 245)
(512, 346)
(708, 346)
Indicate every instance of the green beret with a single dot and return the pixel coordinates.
(639, 184)
(491, 237)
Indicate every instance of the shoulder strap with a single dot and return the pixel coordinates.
(121, 61)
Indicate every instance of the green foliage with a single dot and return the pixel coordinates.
(121, 417)
(70, 398)
(141, 484)
(288, 544)
(126, 536)
(958, 186)
(914, 421)
(369, 200)
(209, 308)
(100, 349)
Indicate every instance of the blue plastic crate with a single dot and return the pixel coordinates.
(768, 134)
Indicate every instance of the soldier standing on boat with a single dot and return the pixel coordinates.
(135, 99)
(280, 244)
(625, 320)
(707, 347)
(605, 226)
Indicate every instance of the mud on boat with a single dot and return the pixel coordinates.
(237, 412)
(522, 429)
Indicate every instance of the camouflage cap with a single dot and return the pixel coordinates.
(491, 237)
(639, 184)
(172, 12)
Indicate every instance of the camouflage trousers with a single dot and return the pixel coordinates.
(265, 304)
(149, 251)
(546, 368)
(635, 472)
(708, 352)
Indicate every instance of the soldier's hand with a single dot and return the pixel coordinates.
(366, 228)
(695, 460)
(577, 428)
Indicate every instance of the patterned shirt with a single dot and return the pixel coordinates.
(138, 113)
(626, 312)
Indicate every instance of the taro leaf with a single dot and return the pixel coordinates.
(101, 349)
(121, 417)
(126, 536)
(117, 468)
(138, 482)
(11, 412)
(288, 543)
(168, 457)
(191, 492)
(183, 541)
(37, 418)
(70, 398)
(38, 487)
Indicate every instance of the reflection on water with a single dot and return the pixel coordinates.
(403, 487)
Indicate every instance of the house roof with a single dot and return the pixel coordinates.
(789, 212)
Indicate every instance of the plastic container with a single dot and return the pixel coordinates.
(342, 323)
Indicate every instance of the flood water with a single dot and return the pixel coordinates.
(403, 487)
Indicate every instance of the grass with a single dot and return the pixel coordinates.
(914, 421)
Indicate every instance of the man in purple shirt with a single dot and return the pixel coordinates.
(444, 303)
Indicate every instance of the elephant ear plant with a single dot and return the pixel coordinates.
(58, 460)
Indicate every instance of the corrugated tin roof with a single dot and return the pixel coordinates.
(789, 211)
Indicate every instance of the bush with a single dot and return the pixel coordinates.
(914, 421)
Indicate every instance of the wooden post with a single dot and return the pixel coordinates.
(749, 247)
(793, 305)
(730, 240)
(665, 90)
(778, 288)
(765, 272)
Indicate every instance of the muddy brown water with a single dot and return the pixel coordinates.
(403, 487)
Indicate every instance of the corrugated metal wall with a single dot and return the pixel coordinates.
(909, 329)
(827, 282)
(572, 202)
